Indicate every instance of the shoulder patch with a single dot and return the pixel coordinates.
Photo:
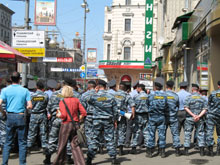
(59, 95)
(99, 99)
(218, 95)
(196, 97)
(170, 98)
(38, 98)
(143, 98)
(158, 97)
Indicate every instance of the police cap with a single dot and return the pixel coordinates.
(32, 84)
(52, 84)
(195, 86)
(170, 83)
(112, 83)
(159, 82)
(92, 82)
(102, 82)
(183, 84)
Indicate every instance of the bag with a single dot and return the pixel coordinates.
(79, 128)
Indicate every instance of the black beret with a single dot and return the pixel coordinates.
(112, 83)
(92, 82)
(183, 84)
(170, 83)
(51, 84)
(101, 82)
(218, 83)
(195, 86)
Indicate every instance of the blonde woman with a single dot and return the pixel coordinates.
(68, 128)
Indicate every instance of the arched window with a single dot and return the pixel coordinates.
(127, 53)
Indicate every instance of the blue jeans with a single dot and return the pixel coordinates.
(15, 123)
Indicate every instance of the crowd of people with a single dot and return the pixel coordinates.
(113, 118)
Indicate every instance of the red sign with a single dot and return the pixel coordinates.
(65, 59)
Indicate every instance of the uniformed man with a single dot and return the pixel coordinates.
(31, 86)
(123, 100)
(196, 107)
(141, 116)
(51, 85)
(171, 115)
(38, 118)
(157, 105)
(89, 109)
(112, 87)
(182, 97)
(213, 119)
(105, 113)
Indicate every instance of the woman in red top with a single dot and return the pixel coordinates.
(67, 130)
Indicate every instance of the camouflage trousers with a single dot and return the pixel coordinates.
(37, 121)
(88, 129)
(156, 122)
(211, 122)
(2, 132)
(54, 137)
(98, 126)
(199, 128)
(121, 131)
(174, 127)
(140, 125)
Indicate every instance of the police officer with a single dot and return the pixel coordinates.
(196, 107)
(112, 87)
(51, 85)
(123, 100)
(38, 118)
(141, 116)
(171, 115)
(89, 109)
(105, 113)
(182, 97)
(213, 119)
(157, 105)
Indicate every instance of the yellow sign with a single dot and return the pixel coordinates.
(32, 52)
(82, 68)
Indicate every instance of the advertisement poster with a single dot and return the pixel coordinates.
(91, 55)
(45, 12)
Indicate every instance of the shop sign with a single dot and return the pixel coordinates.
(145, 76)
(32, 52)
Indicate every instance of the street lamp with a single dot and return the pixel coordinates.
(86, 10)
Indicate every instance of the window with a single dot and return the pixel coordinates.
(127, 53)
(127, 2)
(127, 25)
(108, 51)
(109, 25)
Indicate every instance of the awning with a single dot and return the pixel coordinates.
(8, 53)
(182, 18)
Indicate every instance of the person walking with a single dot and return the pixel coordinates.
(17, 100)
(68, 131)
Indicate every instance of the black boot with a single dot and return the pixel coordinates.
(218, 151)
(89, 161)
(210, 151)
(149, 152)
(47, 159)
(69, 160)
(162, 154)
(186, 151)
(133, 150)
(177, 152)
(202, 152)
(101, 150)
(121, 150)
(115, 162)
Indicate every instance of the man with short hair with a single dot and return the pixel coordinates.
(196, 107)
(17, 99)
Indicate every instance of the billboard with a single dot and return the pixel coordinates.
(91, 55)
(45, 12)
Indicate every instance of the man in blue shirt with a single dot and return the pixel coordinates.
(17, 99)
(181, 115)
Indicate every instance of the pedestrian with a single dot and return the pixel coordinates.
(17, 100)
(141, 116)
(69, 109)
(38, 117)
(213, 119)
(123, 100)
(196, 107)
(181, 114)
(104, 118)
(157, 106)
(171, 115)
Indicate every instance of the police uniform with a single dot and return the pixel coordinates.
(157, 106)
(213, 119)
(2, 125)
(104, 115)
(38, 118)
(196, 103)
(111, 84)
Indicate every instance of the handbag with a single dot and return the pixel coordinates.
(79, 130)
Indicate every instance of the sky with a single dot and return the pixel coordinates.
(70, 19)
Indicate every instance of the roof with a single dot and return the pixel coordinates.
(182, 18)
(166, 45)
(6, 9)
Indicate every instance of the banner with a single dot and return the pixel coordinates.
(91, 55)
(148, 46)
(45, 12)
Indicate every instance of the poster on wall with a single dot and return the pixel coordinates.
(45, 12)
(91, 55)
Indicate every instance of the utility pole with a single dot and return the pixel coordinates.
(26, 19)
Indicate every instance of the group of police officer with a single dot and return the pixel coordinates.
(106, 123)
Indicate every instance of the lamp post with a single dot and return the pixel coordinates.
(86, 10)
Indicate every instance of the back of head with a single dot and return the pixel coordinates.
(218, 84)
(102, 83)
(15, 77)
(40, 85)
(123, 86)
(170, 84)
(91, 84)
(141, 86)
(67, 92)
